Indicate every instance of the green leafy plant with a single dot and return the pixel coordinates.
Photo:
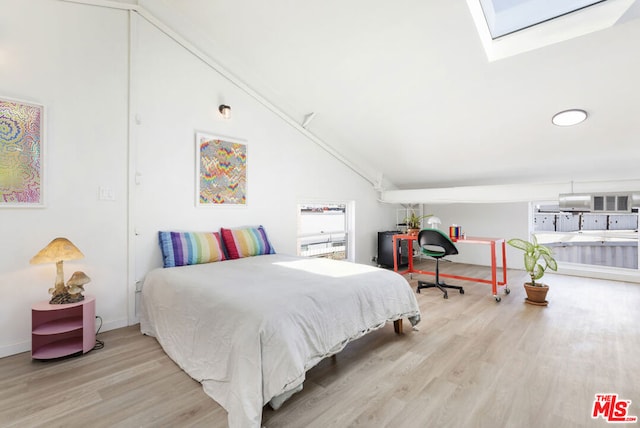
(414, 221)
(537, 258)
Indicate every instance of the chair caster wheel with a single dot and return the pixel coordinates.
(418, 290)
(498, 299)
(446, 296)
(461, 291)
(507, 291)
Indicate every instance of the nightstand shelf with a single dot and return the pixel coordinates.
(59, 326)
(57, 349)
(62, 330)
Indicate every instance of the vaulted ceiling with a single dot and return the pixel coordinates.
(407, 93)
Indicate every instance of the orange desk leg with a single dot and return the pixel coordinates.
(494, 286)
(395, 254)
(504, 263)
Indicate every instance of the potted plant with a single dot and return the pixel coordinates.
(537, 259)
(414, 222)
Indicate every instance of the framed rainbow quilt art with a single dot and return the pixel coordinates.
(221, 166)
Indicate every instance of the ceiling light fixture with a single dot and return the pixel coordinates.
(225, 111)
(569, 117)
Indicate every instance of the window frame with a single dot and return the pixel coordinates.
(348, 231)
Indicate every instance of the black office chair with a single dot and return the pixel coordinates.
(434, 243)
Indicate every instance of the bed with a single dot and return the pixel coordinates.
(248, 329)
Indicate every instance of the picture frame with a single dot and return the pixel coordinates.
(22, 149)
(221, 171)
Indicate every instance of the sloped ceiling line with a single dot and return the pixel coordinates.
(477, 119)
(153, 20)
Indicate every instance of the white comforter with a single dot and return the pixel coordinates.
(249, 329)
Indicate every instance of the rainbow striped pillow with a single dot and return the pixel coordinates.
(246, 242)
(190, 248)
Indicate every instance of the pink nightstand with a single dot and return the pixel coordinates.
(61, 330)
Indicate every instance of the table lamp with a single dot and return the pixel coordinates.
(433, 222)
(58, 250)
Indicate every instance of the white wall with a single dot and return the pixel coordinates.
(508, 220)
(74, 59)
(178, 94)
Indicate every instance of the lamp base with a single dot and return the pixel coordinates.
(64, 298)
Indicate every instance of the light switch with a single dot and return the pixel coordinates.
(106, 194)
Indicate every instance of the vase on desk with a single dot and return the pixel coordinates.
(413, 232)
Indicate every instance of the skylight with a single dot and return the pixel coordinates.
(511, 27)
(507, 16)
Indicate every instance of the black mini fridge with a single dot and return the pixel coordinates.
(385, 250)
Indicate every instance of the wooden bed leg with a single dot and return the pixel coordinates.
(397, 326)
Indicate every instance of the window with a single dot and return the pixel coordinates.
(323, 230)
(590, 238)
(611, 203)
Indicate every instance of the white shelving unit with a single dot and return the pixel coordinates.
(402, 213)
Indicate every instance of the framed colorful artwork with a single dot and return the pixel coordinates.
(221, 171)
(21, 154)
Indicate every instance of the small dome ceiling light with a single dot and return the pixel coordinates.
(569, 117)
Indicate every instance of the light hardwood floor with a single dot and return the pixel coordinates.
(472, 363)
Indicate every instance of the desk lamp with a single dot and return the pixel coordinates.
(59, 250)
(434, 222)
